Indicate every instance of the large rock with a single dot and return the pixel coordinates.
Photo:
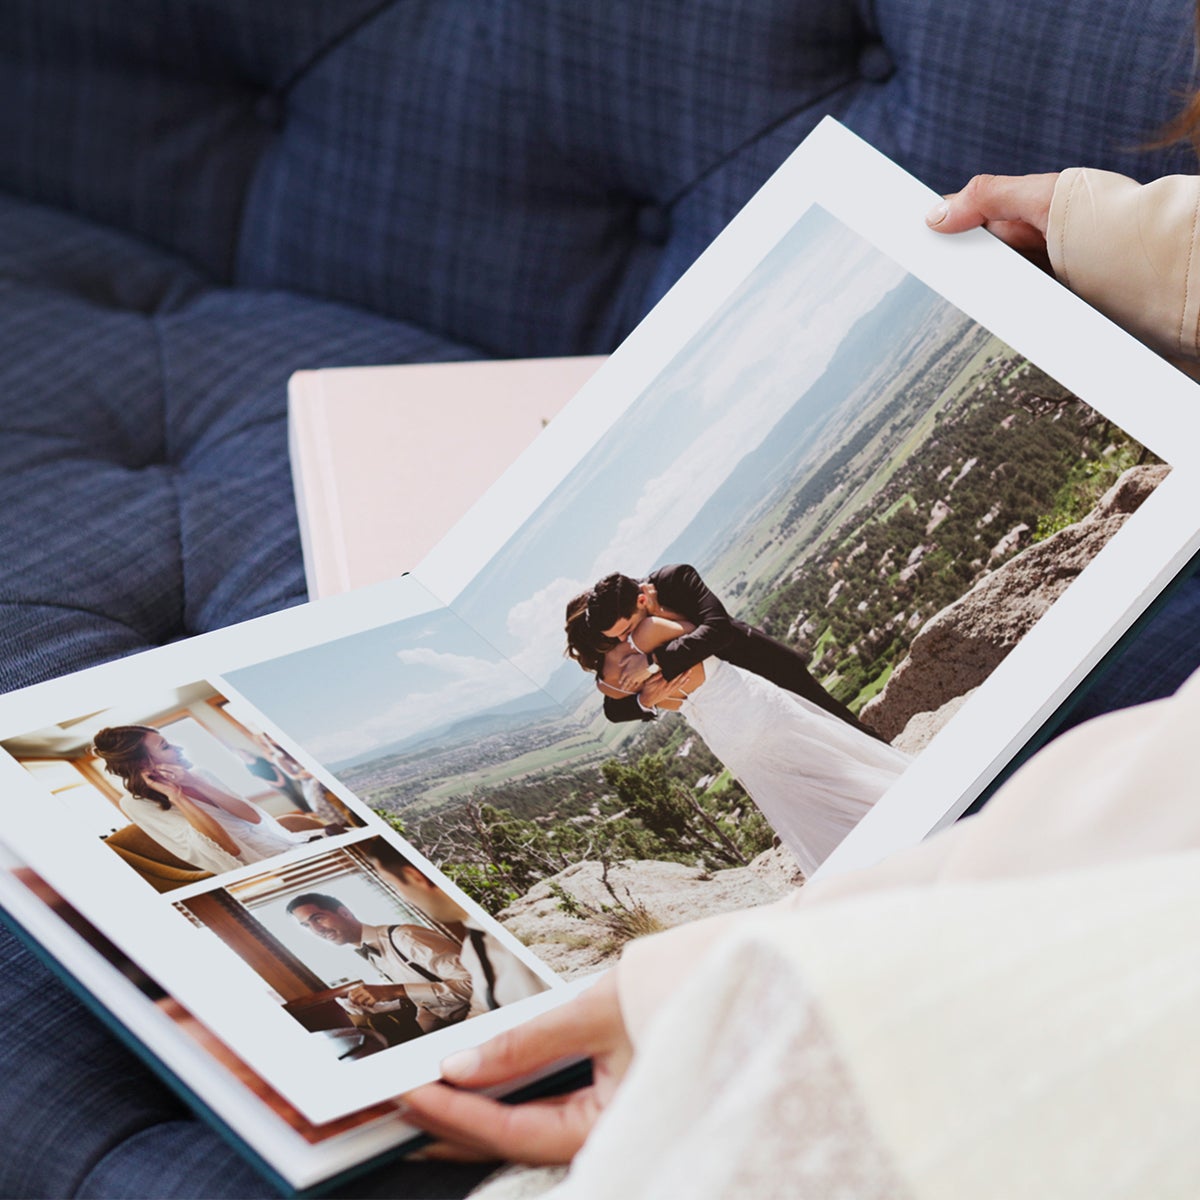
(923, 727)
(964, 643)
(671, 894)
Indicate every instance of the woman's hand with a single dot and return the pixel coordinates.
(1016, 208)
(168, 779)
(473, 1127)
(636, 670)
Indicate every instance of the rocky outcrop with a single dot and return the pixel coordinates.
(960, 646)
(920, 731)
(670, 893)
(940, 511)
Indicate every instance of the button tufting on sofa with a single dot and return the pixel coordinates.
(875, 63)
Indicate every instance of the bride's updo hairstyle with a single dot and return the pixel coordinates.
(586, 641)
(590, 613)
(581, 641)
(123, 749)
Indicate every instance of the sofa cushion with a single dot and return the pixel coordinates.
(144, 476)
(152, 117)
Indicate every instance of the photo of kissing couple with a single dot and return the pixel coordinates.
(667, 643)
(789, 567)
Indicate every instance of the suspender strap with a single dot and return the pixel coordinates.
(489, 975)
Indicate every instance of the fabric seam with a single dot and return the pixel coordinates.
(1062, 231)
(1187, 279)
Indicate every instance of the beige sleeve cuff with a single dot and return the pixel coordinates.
(1120, 786)
(1130, 250)
(652, 968)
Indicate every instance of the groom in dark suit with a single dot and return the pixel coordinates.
(617, 604)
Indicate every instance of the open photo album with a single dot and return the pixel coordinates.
(796, 576)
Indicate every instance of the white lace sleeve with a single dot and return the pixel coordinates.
(1028, 1037)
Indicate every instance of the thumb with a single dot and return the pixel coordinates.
(584, 1026)
(991, 199)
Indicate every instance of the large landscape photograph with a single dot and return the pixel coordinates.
(853, 467)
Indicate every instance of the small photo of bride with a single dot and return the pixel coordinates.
(182, 786)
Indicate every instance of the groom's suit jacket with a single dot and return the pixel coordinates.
(681, 590)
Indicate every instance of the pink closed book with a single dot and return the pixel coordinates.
(385, 460)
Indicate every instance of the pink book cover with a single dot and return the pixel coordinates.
(385, 460)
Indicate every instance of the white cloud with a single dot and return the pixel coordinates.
(536, 625)
(471, 685)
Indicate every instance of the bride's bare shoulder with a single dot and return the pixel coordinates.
(656, 631)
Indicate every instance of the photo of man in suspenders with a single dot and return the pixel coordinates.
(423, 966)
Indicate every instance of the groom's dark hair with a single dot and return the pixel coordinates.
(318, 900)
(613, 599)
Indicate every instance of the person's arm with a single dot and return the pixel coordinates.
(681, 589)
(1128, 249)
(166, 780)
(623, 700)
(450, 995)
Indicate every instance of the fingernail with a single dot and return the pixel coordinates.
(937, 214)
(461, 1065)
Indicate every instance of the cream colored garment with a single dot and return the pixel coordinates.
(1132, 251)
(1006, 1010)
(1031, 1037)
(1120, 786)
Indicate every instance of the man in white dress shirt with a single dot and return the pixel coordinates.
(423, 966)
(498, 976)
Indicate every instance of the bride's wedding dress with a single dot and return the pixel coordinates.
(171, 829)
(814, 777)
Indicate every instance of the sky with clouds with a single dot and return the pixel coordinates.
(645, 481)
(630, 498)
(349, 696)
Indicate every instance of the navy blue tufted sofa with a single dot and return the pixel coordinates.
(199, 197)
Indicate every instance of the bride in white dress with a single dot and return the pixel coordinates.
(814, 777)
(186, 810)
